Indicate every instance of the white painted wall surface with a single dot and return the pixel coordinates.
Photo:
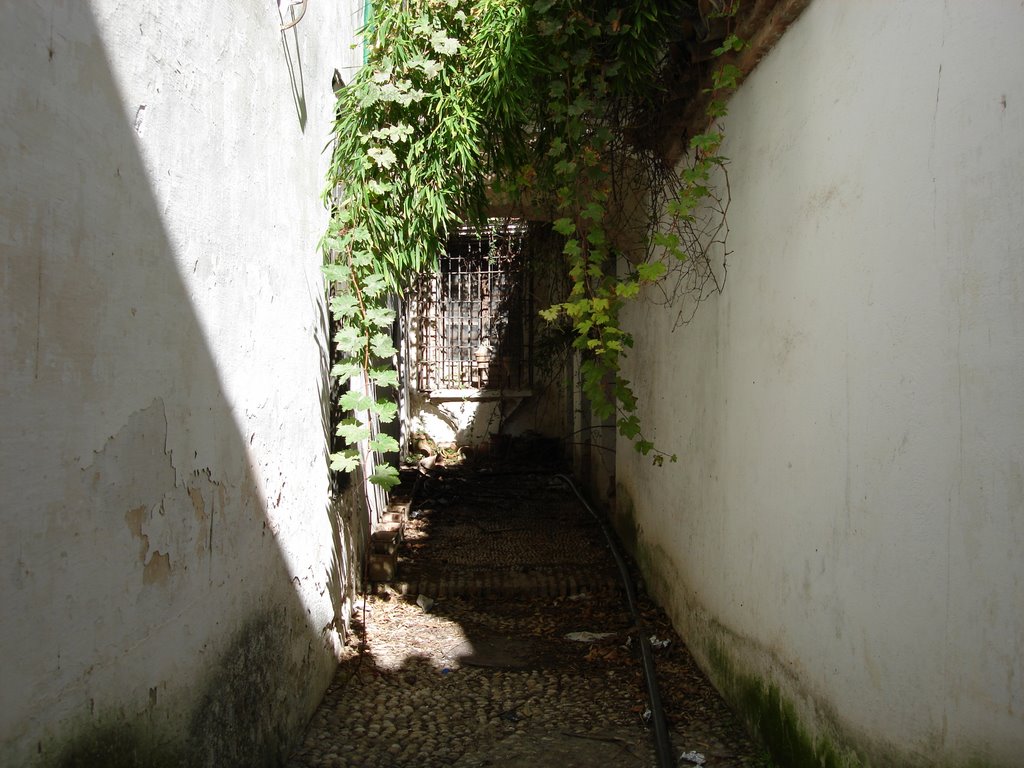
(172, 569)
(847, 518)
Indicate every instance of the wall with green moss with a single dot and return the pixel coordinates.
(842, 540)
(178, 574)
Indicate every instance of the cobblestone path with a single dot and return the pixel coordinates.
(505, 641)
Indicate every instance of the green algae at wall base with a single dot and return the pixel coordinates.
(253, 709)
(762, 706)
(117, 745)
(773, 718)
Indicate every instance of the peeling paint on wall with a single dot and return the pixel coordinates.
(157, 401)
(157, 569)
(133, 518)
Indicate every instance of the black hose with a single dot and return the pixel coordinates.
(662, 744)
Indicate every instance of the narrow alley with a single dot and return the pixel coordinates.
(506, 639)
(754, 269)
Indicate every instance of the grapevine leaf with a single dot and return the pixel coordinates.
(665, 240)
(629, 427)
(355, 401)
(443, 44)
(335, 273)
(345, 461)
(374, 286)
(345, 371)
(386, 477)
(383, 443)
(384, 157)
(348, 340)
(650, 271)
(382, 346)
(352, 431)
(381, 317)
(344, 305)
(384, 377)
(386, 410)
(564, 226)
(362, 259)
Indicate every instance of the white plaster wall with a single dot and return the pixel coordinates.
(847, 518)
(165, 504)
(472, 420)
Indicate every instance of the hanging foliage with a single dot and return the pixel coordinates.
(536, 102)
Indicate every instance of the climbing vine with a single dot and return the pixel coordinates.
(539, 103)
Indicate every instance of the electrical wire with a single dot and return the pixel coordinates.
(662, 743)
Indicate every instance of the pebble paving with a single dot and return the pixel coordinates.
(481, 672)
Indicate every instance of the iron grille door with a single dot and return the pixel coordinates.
(473, 319)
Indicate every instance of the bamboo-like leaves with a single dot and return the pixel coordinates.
(461, 95)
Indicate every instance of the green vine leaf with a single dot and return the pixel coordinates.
(386, 410)
(726, 78)
(628, 289)
(429, 67)
(651, 272)
(381, 317)
(385, 476)
(462, 99)
(352, 431)
(384, 157)
(345, 461)
(629, 427)
(344, 305)
(384, 377)
(564, 226)
(705, 142)
(394, 134)
(374, 285)
(381, 345)
(345, 371)
(731, 43)
(443, 44)
(348, 340)
(355, 401)
(335, 273)
(383, 443)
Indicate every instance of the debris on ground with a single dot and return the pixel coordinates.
(588, 637)
(696, 758)
(487, 674)
(424, 602)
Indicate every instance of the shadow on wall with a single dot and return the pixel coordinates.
(293, 59)
(157, 620)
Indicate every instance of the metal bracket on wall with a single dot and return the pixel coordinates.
(295, 20)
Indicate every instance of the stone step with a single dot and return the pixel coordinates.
(387, 538)
(382, 567)
(509, 585)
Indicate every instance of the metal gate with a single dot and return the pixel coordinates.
(472, 320)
